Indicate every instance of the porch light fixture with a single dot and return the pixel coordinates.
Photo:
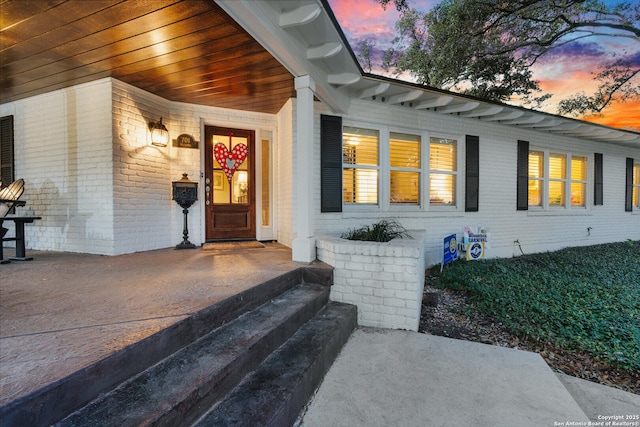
(159, 134)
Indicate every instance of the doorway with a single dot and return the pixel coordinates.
(230, 195)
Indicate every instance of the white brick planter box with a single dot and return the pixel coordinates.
(384, 280)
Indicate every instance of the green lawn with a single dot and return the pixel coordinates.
(578, 298)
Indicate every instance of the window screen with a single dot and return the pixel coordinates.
(635, 192)
(557, 179)
(578, 180)
(404, 162)
(536, 175)
(443, 157)
(360, 165)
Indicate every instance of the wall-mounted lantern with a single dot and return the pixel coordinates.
(185, 193)
(159, 134)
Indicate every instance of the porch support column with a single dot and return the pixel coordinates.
(304, 244)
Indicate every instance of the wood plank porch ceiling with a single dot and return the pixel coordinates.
(182, 50)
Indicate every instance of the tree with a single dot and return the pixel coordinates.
(363, 52)
(486, 48)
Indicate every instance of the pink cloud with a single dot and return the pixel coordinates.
(363, 18)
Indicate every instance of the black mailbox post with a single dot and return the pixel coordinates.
(185, 193)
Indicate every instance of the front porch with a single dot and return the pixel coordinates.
(62, 312)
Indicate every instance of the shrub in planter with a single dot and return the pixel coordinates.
(382, 231)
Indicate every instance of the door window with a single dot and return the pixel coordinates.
(231, 169)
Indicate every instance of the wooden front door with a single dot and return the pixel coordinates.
(230, 194)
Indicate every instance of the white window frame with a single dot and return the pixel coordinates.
(356, 207)
(585, 181)
(567, 207)
(384, 169)
(459, 173)
(390, 168)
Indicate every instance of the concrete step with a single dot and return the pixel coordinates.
(177, 390)
(276, 392)
(54, 402)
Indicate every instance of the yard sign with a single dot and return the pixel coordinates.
(450, 250)
(475, 243)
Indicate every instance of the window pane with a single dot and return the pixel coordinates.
(443, 154)
(236, 192)
(360, 185)
(360, 146)
(404, 153)
(240, 187)
(221, 188)
(556, 193)
(536, 164)
(557, 166)
(349, 185)
(404, 150)
(442, 189)
(405, 187)
(578, 173)
(578, 191)
(578, 168)
(266, 174)
(360, 160)
(635, 192)
(535, 192)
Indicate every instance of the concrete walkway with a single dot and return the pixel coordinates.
(399, 378)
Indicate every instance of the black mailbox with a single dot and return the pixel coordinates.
(185, 193)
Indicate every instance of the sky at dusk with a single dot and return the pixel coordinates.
(567, 70)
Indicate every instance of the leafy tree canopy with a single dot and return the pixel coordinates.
(486, 48)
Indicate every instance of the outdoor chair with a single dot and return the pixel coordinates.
(9, 198)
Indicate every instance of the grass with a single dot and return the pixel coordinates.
(585, 298)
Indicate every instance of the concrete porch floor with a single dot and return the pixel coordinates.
(64, 311)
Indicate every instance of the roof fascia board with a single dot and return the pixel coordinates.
(510, 115)
(258, 21)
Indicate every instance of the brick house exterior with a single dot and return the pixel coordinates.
(101, 188)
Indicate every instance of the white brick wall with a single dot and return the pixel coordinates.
(63, 152)
(141, 176)
(101, 188)
(498, 147)
(384, 280)
(93, 177)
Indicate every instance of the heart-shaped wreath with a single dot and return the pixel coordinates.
(229, 161)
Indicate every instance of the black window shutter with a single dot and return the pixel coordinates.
(628, 205)
(472, 173)
(523, 176)
(7, 173)
(598, 199)
(330, 163)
